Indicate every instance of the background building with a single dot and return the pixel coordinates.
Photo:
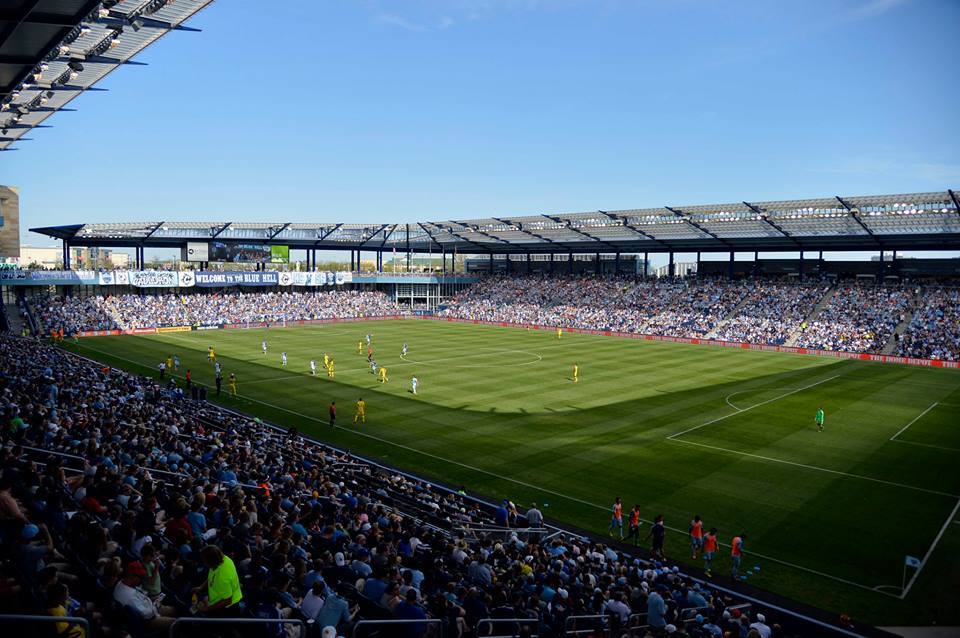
(51, 258)
(9, 223)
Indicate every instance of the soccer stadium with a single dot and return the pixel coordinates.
(700, 420)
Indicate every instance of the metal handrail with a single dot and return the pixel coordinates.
(374, 623)
(570, 622)
(517, 621)
(27, 618)
(238, 621)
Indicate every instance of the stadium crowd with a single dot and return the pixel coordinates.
(857, 319)
(678, 307)
(771, 312)
(124, 502)
(75, 314)
(934, 331)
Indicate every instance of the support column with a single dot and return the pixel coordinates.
(597, 266)
(443, 261)
(880, 268)
(491, 263)
(570, 262)
(894, 264)
(730, 267)
(646, 264)
(698, 265)
(529, 264)
(551, 263)
(616, 264)
(670, 268)
(756, 263)
(801, 265)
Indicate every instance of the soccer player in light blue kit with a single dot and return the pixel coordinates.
(403, 352)
(413, 384)
(283, 359)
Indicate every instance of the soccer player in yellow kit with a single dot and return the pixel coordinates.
(360, 347)
(383, 375)
(232, 384)
(361, 412)
(211, 355)
(576, 373)
(326, 360)
(330, 369)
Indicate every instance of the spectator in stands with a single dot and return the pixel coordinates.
(223, 584)
(135, 602)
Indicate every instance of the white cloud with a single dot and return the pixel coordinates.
(395, 20)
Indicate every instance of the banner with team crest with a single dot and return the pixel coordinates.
(154, 279)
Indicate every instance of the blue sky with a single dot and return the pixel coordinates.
(377, 110)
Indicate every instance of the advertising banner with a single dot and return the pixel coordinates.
(154, 279)
(210, 279)
(175, 329)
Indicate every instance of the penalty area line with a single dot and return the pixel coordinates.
(756, 405)
(914, 420)
(933, 546)
(525, 484)
(817, 468)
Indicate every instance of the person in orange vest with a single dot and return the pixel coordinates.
(616, 518)
(696, 535)
(188, 377)
(736, 553)
(709, 549)
(634, 531)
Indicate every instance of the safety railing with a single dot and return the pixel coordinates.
(516, 624)
(373, 625)
(12, 619)
(637, 624)
(230, 622)
(586, 624)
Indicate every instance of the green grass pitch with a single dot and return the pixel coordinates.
(679, 429)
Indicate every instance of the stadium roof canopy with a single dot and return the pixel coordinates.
(51, 51)
(921, 221)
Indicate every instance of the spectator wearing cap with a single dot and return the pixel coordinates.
(135, 602)
(761, 627)
(35, 547)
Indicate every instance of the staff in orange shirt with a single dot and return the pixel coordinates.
(696, 535)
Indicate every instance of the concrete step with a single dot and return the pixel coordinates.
(730, 315)
(813, 314)
(14, 319)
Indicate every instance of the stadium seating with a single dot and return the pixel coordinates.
(856, 318)
(112, 481)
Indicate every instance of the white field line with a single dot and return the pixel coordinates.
(915, 419)
(933, 545)
(817, 468)
(525, 484)
(733, 394)
(756, 405)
